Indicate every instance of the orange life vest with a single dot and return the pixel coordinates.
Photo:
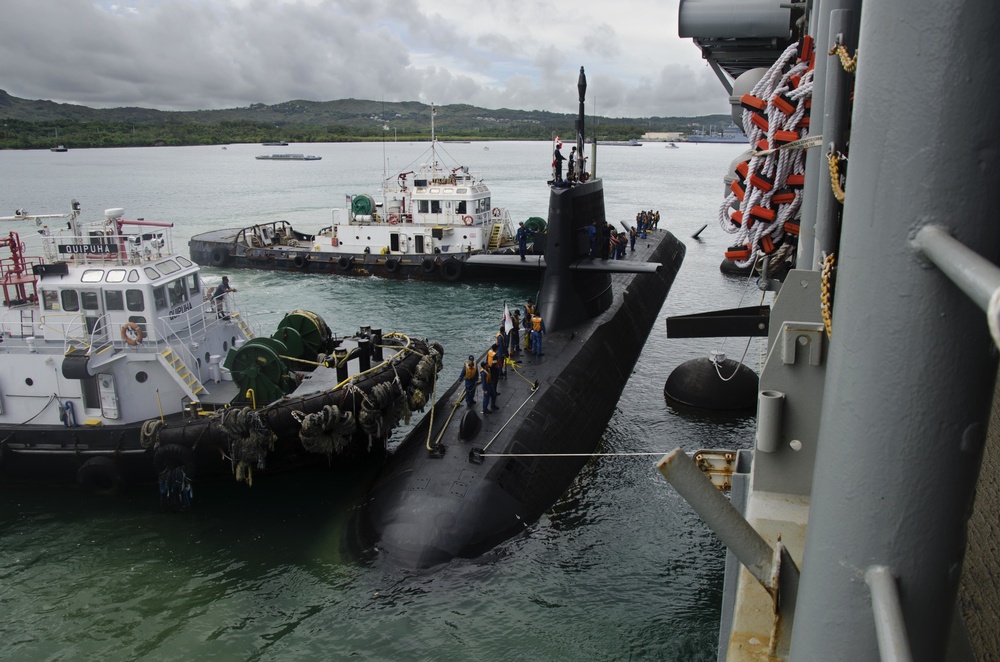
(536, 323)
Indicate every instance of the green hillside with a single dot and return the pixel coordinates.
(37, 124)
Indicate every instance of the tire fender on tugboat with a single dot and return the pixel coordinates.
(392, 265)
(100, 475)
(300, 262)
(345, 263)
(218, 257)
(451, 269)
(427, 266)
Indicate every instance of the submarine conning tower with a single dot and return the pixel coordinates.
(571, 296)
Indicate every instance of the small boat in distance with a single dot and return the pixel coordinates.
(58, 148)
(277, 143)
(288, 157)
(631, 142)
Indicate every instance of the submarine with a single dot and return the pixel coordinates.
(462, 482)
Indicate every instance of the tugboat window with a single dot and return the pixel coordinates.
(92, 276)
(160, 298)
(422, 206)
(167, 267)
(50, 299)
(193, 285)
(460, 207)
(114, 300)
(184, 262)
(435, 206)
(116, 275)
(90, 300)
(28, 381)
(178, 294)
(133, 276)
(70, 301)
(151, 273)
(141, 376)
(134, 299)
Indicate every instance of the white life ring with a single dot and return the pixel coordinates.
(467, 220)
(393, 219)
(131, 333)
(497, 212)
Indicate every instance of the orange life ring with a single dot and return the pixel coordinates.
(467, 220)
(131, 333)
(393, 219)
(497, 212)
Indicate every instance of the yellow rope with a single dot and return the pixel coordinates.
(513, 364)
(834, 159)
(849, 63)
(826, 293)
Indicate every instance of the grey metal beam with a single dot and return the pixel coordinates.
(910, 375)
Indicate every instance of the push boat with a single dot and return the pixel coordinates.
(861, 522)
(426, 226)
(120, 367)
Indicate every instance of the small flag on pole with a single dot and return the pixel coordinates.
(508, 321)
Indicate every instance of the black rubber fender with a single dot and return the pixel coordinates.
(392, 265)
(169, 456)
(469, 426)
(427, 266)
(218, 257)
(100, 475)
(345, 263)
(300, 261)
(451, 269)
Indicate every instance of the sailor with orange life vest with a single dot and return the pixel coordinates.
(529, 310)
(489, 392)
(471, 376)
(537, 329)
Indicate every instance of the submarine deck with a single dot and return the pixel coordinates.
(462, 482)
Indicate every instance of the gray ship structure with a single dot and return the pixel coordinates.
(862, 524)
(462, 482)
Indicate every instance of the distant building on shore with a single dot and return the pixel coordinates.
(661, 137)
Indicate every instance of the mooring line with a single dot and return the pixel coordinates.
(656, 454)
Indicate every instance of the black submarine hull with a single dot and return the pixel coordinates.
(498, 473)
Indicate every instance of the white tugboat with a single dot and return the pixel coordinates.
(118, 365)
(425, 225)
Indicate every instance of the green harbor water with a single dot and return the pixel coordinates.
(619, 569)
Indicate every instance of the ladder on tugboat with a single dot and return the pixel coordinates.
(495, 235)
(191, 385)
(236, 317)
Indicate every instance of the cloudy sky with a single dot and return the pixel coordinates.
(207, 54)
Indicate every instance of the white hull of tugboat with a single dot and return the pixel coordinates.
(120, 366)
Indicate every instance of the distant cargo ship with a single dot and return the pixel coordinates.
(288, 157)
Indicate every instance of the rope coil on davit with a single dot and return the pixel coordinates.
(764, 206)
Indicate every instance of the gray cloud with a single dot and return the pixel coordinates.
(205, 54)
